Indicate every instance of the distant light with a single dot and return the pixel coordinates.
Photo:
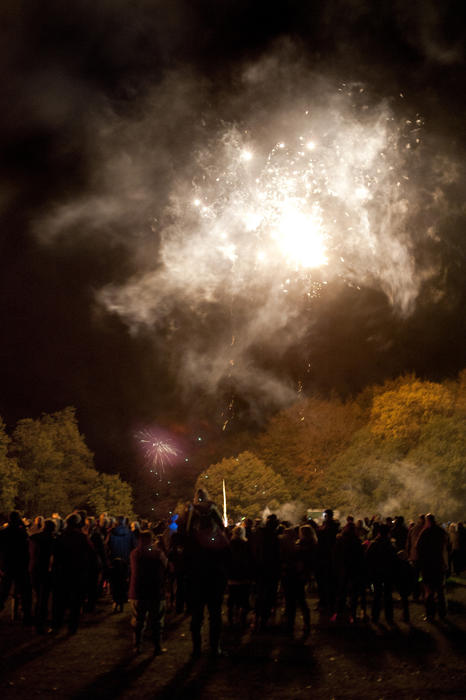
(246, 155)
(310, 145)
(197, 202)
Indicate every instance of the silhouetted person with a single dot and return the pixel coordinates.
(411, 550)
(381, 562)
(307, 545)
(41, 548)
(96, 567)
(120, 544)
(176, 557)
(240, 572)
(207, 553)
(72, 561)
(325, 572)
(146, 590)
(455, 564)
(432, 556)
(14, 562)
(399, 533)
(293, 579)
(350, 569)
(267, 569)
(405, 581)
(361, 531)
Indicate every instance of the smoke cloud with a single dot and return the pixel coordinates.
(149, 109)
(205, 194)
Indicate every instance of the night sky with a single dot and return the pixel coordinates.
(106, 107)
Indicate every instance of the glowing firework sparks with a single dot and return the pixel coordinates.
(258, 227)
(273, 218)
(314, 200)
(334, 188)
(159, 450)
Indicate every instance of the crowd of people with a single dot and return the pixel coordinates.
(55, 570)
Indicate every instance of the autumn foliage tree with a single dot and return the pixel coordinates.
(400, 414)
(251, 485)
(440, 456)
(9, 473)
(301, 441)
(56, 469)
(409, 457)
(362, 478)
(111, 494)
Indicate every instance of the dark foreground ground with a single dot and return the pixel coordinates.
(337, 660)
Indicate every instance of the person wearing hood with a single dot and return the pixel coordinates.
(121, 540)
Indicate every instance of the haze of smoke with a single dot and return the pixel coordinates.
(292, 512)
(130, 169)
(422, 25)
(145, 169)
(415, 494)
(192, 274)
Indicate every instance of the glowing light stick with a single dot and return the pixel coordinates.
(225, 519)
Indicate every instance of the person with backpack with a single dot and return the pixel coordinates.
(207, 556)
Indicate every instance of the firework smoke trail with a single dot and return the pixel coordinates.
(159, 451)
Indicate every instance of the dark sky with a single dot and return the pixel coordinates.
(105, 105)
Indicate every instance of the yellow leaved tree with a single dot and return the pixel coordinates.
(401, 413)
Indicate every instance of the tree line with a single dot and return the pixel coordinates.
(399, 447)
(395, 448)
(46, 466)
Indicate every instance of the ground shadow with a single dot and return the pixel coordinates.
(116, 681)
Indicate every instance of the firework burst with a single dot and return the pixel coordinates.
(257, 226)
(160, 451)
